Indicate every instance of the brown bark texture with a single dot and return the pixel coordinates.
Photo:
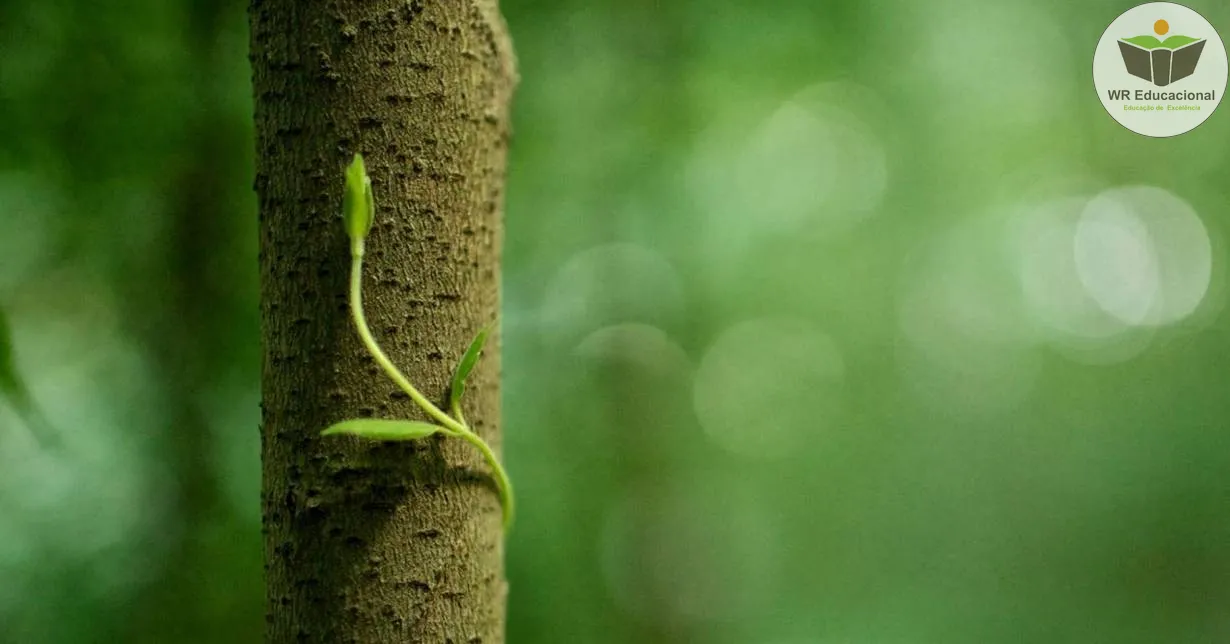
(379, 542)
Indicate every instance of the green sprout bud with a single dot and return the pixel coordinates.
(358, 205)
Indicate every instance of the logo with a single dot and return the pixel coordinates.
(1160, 45)
(1161, 62)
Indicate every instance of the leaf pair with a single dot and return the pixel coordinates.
(407, 430)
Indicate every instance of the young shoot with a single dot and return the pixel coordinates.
(358, 211)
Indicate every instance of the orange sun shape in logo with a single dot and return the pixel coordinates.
(1161, 27)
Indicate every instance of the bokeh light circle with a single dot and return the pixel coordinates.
(767, 385)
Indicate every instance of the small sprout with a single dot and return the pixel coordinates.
(464, 367)
(358, 204)
(384, 430)
(358, 211)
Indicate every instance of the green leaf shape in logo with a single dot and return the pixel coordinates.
(1151, 42)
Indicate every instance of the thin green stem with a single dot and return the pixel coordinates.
(365, 334)
(502, 482)
(457, 427)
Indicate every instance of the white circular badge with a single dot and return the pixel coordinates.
(1160, 69)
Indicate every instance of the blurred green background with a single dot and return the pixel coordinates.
(847, 322)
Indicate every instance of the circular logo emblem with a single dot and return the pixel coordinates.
(1160, 69)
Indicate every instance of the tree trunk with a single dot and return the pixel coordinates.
(369, 542)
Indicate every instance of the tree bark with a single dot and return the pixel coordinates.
(369, 542)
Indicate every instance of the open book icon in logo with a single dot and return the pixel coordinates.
(1161, 62)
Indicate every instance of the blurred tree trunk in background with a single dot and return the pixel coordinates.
(374, 542)
(184, 318)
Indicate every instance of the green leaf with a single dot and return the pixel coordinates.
(465, 366)
(384, 430)
(358, 204)
(14, 391)
(12, 386)
(9, 381)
